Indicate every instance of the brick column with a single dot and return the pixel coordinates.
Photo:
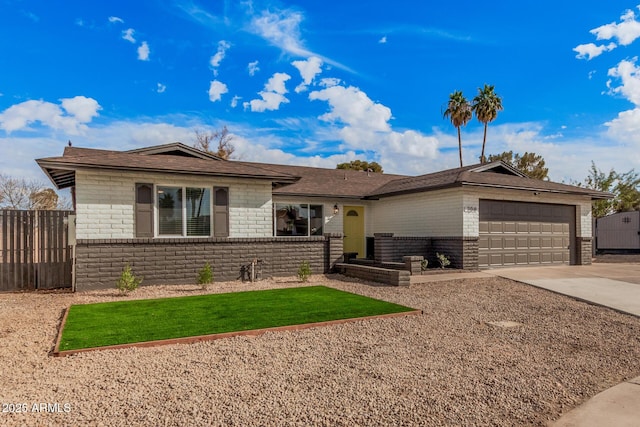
(333, 250)
(584, 248)
(413, 264)
(383, 247)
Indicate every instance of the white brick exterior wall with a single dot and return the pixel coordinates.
(436, 213)
(585, 220)
(105, 202)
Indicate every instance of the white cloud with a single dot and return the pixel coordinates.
(629, 75)
(234, 101)
(282, 29)
(626, 32)
(626, 127)
(216, 90)
(272, 95)
(82, 108)
(253, 68)
(70, 117)
(161, 88)
(363, 125)
(589, 51)
(143, 52)
(277, 83)
(330, 81)
(308, 69)
(216, 59)
(351, 106)
(128, 35)
(116, 20)
(383, 40)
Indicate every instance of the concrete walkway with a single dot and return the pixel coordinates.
(612, 285)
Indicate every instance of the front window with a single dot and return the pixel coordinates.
(184, 211)
(298, 219)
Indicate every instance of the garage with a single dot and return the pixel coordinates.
(521, 233)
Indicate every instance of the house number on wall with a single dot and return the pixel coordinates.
(470, 209)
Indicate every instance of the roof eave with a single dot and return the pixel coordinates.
(74, 166)
(594, 195)
(377, 196)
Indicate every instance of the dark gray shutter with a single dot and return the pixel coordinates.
(221, 212)
(144, 210)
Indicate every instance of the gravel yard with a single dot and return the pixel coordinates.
(446, 367)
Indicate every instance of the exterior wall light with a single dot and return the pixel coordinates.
(335, 209)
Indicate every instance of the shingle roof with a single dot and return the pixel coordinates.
(297, 180)
(321, 182)
(62, 169)
(496, 174)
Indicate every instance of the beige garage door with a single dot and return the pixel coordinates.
(516, 233)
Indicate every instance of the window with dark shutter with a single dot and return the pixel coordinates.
(221, 211)
(144, 210)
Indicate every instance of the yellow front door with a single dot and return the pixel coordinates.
(353, 226)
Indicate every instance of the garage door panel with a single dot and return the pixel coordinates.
(535, 227)
(495, 243)
(547, 227)
(522, 258)
(509, 242)
(495, 227)
(509, 227)
(522, 242)
(495, 259)
(483, 258)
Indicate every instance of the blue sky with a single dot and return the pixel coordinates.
(319, 83)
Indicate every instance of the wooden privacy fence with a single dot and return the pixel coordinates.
(35, 250)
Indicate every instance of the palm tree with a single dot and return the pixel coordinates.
(486, 106)
(459, 112)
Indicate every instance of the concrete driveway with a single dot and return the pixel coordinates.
(612, 285)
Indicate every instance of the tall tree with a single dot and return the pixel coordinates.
(530, 163)
(361, 165)
(624, 186)
(459, 112)
(220, 139)
(486, 106)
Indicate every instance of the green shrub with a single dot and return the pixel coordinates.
(424, 264)
(443, 260)
(304, 271)
(128, 281)
(205, 276)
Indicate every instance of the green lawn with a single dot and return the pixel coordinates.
(122, 322)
